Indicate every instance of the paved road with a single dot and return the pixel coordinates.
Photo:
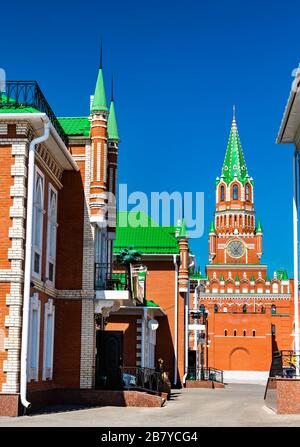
(238, 405)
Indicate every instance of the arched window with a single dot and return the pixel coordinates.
(244, 332)
(245, 308)
(216, 309)
(234, 333)
(51, 234)
(222, 198)
(275, 287)
(225, 332)
(38, 223)
(247, 192)
(202, 308)
(253, 333)
(235, 192)
(273, 309)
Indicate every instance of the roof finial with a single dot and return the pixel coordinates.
(112, 87)
(233, 112)
(101, 56)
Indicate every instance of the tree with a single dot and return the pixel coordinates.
(126, 257)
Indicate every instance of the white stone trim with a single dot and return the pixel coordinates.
(49, 309)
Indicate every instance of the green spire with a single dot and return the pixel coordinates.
(237, 279)
(99, 101)
(222, 278)
(182, 231)
(112, 126)
(252, 278)
(234, 165)
(212, 228)
(258, 228)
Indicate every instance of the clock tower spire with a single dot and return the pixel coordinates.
(234, 237)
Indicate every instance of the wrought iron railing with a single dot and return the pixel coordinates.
(16, 94)
(285, 364)
(146, 379)
(107, 279)
(205, 374)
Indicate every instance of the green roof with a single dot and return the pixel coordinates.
(150, 303)
(258, 228)
(75, 125)
(252, 278)
(15, 108)
(197, 275)
(234, 165)
(183, 233)
(139, 231)
(237, 278)
(212, 228)
(112, 126)
(222, 278)
(282, 274)
(99, 101)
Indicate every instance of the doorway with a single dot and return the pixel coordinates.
(109, 359)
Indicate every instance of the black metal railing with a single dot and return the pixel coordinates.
(205, 374)
(285, 364)
(138, 378)
(16, 94)
(107, 279)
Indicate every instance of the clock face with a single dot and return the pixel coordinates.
(235, 249)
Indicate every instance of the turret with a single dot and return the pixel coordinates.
(212, 241)
(113, 146)
(258, 237)
(98, 118)
(183, 275)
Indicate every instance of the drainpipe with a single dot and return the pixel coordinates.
(295, 228)
(175, 320)
(144, 319)
(28, 258)
(186, 326)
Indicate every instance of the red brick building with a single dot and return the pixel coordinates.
(249, 314)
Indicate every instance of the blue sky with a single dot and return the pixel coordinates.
(178, 68)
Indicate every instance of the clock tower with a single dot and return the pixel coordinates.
(235, 236)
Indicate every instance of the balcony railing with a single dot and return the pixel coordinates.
(205, 374)
(21, 94)
(146, 379)
(107, 279)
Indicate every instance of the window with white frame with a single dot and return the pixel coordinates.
(38, 223)
(51, 234)
(48, 340)
(34, 338)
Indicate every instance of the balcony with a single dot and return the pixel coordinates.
(109, 284)
(27, 94)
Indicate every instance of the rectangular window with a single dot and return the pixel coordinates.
(34, 338)
(48, 340)
(51, 234)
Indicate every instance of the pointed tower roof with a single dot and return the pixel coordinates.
(112, 126)
(234, 165)
(99, 101)
(182, 230)
(212, 228)
(258, 228)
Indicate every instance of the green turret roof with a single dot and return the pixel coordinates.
(99, 101)
(258, 228)
(222, 278)
(112, 126)
(282, 274)
(183, 233)
(237, 278)
(234, 165)
(252, 278)
(212, 228)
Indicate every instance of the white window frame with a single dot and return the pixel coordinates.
(49, 310)
(49, 223)
(35, 306)
(36, 249)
